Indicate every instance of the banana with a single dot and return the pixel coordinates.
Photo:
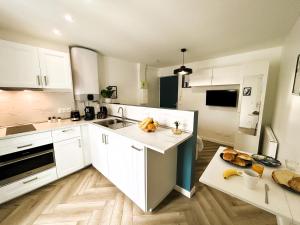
(145, 122)
(142, 123)
(230, 172)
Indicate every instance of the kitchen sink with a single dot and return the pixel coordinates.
(114, 123)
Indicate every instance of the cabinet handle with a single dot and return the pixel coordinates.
(24, 146)
(79, 143)
(28, 181)
(103, 138)
(46, 80)
(106, 139)
(38, 80)
(67, 130)
(138, 149)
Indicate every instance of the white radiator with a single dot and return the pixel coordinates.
(270, 143)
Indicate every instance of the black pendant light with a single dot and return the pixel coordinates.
(183, 70)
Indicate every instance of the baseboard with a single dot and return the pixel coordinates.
(217, 141)
(186, 193)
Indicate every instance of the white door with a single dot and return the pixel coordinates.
(98, 149)
(68, 156)
(55, 69)
(251, 101)
(19, 66)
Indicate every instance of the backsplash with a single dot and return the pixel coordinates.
(19, 107)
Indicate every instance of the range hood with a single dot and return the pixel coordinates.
(85, 73)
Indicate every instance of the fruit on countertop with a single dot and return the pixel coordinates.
(148, 125)
(231, 172)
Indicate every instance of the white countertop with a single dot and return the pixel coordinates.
(281, 202)
(161, 140)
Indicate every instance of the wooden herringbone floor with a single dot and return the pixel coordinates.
(88, 198)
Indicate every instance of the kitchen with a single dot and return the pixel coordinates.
(96, 131)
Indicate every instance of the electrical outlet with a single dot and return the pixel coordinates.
(60, 110)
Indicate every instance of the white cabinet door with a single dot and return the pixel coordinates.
(19, 66)
(98, 149)
(227, 75)
(139, 175)
(116, 161)
(121, 164)
(55, 69)
(68, 156)
(127, 167)
(86, 147)
(201, 78)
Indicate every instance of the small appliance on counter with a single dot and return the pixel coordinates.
(75, 115)
(89, 113)
(102, 114)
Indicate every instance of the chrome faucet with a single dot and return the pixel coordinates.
(122, 113)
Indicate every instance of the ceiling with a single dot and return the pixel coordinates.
(154, 31)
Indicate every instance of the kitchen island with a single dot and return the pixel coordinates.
(142, 165)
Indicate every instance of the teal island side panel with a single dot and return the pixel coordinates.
(186, 159)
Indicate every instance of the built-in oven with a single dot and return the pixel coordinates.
(20, 164)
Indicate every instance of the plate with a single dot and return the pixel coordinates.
(285, 187)
(266, 160)
(248, 163)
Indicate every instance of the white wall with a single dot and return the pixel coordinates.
(218, 123)
(120, 73)
(126, 76)
(286, 122)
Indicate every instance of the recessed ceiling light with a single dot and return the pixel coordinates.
(69, 18)
(57, 32)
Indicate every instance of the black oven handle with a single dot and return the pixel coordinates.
(25, 157)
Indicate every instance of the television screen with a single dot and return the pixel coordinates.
(225, 98)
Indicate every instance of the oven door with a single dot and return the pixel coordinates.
(21, 164)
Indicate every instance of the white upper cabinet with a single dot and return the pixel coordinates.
(19, 66)
(202, 77)
(55, 69)
(24, 66)
(227, 75)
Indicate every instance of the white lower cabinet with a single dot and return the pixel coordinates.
(68, 156)
(144, 175)
(27, 184)
(98, 149)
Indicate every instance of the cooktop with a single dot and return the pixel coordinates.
(20, 129)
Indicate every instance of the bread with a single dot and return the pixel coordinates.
(283, 176)
(294, 183)
(239, 162)
(244, 156)
(230, 151)
(228, 156)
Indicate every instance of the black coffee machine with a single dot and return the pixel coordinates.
(102, 114)
(89, 113)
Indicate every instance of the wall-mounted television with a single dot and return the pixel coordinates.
(224, 98)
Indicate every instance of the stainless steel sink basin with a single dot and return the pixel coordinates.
(114, 123)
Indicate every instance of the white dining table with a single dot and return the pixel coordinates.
(284, 204)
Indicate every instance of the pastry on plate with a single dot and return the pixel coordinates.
(228, 156)
(239, 162)
(294, 183)
(244, 156)
(230, 151)
(283, 176)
